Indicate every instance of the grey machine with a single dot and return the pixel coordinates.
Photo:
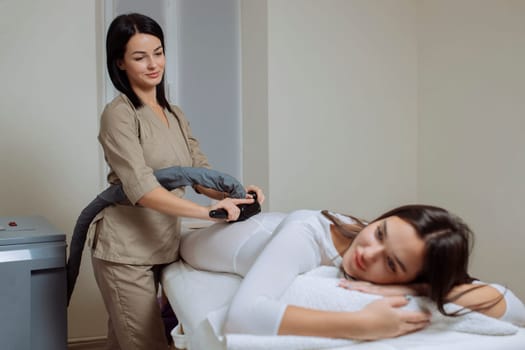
(33, 307)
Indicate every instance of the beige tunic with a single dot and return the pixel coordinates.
(135, 143)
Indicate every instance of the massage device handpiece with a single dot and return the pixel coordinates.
(222, 213)
(219, 213)
(247, 210)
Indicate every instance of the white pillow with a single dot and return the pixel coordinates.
(319, 289)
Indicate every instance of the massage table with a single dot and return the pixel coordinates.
(199, 298)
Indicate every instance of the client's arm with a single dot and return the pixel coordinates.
(490, 299)
(379, 319)
(484, 297)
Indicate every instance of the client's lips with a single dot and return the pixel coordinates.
(359, 261)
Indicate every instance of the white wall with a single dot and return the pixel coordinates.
(207, 78)
(254, 53)
(472, 117)
(342, 105)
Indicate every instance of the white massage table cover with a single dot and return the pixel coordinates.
(195, 294)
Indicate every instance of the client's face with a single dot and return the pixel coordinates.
(387, 251)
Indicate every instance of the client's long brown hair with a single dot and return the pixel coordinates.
(448, 243)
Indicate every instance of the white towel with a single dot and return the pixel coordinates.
(318, 289)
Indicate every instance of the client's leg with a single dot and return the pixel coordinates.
(224, 247)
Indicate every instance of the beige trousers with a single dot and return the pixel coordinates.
(130, 297)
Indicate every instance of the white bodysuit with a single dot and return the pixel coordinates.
(300, 242)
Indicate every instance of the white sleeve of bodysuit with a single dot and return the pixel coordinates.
(255, 308)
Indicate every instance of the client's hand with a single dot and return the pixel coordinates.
(383, 319)
(384, 289)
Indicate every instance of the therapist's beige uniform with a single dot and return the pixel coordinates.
(129, 243)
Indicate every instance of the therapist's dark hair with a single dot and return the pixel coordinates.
(448, 243)
(121, 29)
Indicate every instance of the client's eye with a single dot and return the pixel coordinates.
(391, 264)
(379, 234)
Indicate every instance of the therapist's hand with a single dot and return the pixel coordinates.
(230, 205)
(258, 191)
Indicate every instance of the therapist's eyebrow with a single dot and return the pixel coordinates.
(144, 52)
(399, 262)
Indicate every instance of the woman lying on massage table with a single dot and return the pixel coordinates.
(413, 249)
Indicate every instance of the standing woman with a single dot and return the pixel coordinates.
(141, 132)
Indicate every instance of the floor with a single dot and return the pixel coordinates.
(95, 345)
(87, 345)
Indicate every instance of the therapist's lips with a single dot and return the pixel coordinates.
(153, 75)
